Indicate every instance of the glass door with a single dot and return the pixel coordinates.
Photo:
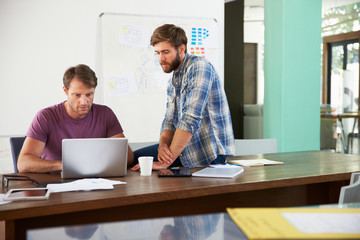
(343, 77)
(340, 87)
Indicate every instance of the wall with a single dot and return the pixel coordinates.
(292, 73)
(40, 39)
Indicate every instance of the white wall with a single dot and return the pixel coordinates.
(40, 39)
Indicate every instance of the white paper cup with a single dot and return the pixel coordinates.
(145, 166)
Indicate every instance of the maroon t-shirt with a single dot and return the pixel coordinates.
(53, 124)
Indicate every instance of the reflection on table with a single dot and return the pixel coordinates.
(197, 227)
(215, 226)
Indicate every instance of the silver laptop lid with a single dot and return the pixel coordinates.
(94, 157)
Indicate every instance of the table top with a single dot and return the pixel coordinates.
(299, 168)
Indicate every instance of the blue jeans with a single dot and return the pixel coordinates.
(152, 150)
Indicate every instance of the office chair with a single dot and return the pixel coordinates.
(16, 144)
(255, 146)
(351, 193)
(137, 145)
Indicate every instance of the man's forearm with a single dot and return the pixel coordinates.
(29, 158)
(166, 137)
(179, 141)
(29, 163)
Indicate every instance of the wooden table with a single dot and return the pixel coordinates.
(306, 178)
(340, 117)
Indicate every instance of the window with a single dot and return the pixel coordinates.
(341, 71)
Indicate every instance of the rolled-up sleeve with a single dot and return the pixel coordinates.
(195, 93)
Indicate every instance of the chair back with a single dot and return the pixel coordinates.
(16, 144)
(137, 145)
(255, 146)
(351, 193)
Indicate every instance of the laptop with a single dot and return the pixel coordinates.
(94, 157)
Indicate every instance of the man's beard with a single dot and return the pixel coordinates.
(174, 64)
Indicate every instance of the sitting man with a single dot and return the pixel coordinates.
(77, 117)
(197, 129)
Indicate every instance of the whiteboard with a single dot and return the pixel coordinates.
(131, 79)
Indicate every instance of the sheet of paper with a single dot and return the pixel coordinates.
(325, 222)
(2, 199)
(86, 184)
(121, 85)
(134, 35)
(300, 223)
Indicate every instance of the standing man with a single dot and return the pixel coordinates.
(197, 129)
(77, 117)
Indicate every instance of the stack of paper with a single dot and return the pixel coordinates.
(254, 162)
(86, 184)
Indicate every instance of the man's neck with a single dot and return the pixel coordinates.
(71, 112)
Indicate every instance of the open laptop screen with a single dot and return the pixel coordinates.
(94, 157)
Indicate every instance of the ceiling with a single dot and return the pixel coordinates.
(254, 9)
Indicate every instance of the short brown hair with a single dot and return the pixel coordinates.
(83, 72)
(171, 33)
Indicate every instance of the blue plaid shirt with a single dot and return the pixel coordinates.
(196, 103)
